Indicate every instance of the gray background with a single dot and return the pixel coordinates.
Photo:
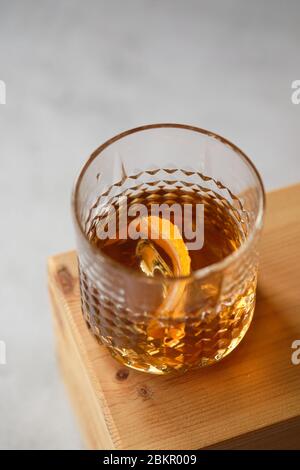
(78, 72)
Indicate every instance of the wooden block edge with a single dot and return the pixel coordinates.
(57, 294)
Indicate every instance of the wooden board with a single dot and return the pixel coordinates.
(249, 400)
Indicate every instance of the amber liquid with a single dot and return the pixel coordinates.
(211, 322)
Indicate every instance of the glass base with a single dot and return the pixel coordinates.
(129, 358)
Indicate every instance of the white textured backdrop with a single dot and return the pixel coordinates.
(78, 72)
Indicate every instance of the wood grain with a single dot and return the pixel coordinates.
(249, 400)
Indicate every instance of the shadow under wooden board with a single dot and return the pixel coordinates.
(249, 400)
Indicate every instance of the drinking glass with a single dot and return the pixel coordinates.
(121, 305)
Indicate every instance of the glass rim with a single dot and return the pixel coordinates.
(199, 273)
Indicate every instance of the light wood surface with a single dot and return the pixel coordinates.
(249, 400)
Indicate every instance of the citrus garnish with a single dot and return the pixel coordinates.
(151, 261)
(166, 235)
